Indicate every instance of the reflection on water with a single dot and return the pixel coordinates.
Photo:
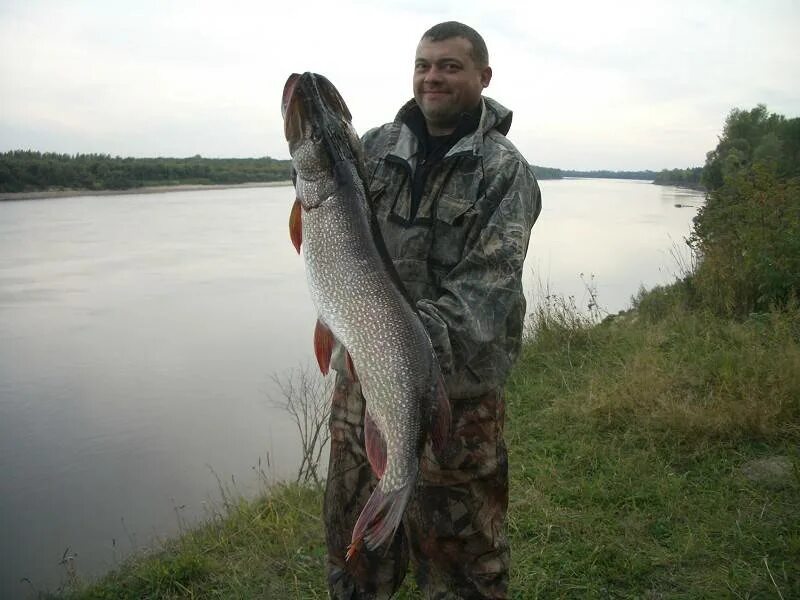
(138, 336)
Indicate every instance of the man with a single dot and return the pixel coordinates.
(456, 202)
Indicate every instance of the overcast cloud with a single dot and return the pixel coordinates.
(621, 85)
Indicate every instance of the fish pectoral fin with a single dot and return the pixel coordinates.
(442, 418)
(375, 445)
(380, 517)
(323, 346)
(296, 225)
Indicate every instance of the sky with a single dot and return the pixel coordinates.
(613, 85)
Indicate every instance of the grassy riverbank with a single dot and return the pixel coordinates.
(654, 455)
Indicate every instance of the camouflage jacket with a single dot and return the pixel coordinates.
(461, 255)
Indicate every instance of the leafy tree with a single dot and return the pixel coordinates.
(748, 232)
(750, 137)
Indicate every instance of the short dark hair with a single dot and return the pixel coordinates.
(451, 29)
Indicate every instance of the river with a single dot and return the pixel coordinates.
(139, 335)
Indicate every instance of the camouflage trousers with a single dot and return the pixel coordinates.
(453, 528)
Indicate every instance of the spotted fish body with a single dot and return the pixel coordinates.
(360, 301)
(390, 350)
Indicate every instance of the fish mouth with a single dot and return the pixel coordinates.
(291, 107)
(311, 105)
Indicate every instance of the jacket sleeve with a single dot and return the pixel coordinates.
(480, 293)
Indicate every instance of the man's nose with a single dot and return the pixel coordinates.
(433, 75)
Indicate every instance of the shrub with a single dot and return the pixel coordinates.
(748, 238)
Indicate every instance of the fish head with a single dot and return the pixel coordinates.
(318, 127)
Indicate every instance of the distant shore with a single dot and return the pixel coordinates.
(155, 189)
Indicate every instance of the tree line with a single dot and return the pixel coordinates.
(25, 170)
(607, 174)
(690, 177)
(546, 172)
(749, 137)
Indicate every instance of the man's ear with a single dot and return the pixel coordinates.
(486, 76)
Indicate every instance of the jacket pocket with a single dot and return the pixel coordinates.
(453, 219)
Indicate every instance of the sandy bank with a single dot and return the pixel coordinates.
(157, 189)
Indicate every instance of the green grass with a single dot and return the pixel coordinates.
(271, 547)
(626, 456)
(627, 442)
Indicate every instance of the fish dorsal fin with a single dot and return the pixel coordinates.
(375, 445)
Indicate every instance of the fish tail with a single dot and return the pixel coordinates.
(380, 517)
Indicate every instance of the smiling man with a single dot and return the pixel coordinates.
(449, 77)
(455, 202)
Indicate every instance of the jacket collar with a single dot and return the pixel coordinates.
(403, 143)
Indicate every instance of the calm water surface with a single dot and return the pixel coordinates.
(139, 335)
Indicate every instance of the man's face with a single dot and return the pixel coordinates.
(447, 82)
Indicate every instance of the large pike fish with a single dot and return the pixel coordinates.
(361, 302)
